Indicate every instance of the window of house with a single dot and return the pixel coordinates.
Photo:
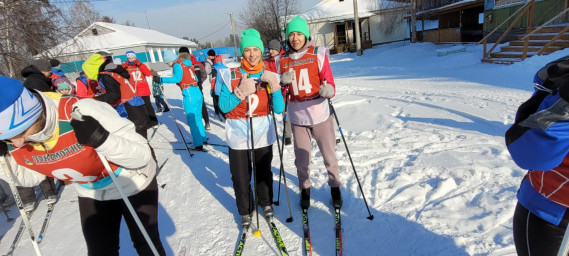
(507, 2)
(94, 31)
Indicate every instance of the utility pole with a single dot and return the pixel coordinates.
(414, 21)
(148, 24)
(359, 50)
(234, 37)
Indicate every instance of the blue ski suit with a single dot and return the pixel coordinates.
(192, 100)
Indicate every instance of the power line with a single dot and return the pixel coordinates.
(223, 26)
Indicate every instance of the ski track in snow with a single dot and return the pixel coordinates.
(426, 137)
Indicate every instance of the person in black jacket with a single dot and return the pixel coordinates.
(37, 76)
(111, 77)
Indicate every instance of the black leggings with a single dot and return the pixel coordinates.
(101, 221)
(535, 236)
(240, 167)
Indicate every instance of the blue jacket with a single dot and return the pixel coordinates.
(177, 73)
(539, 140)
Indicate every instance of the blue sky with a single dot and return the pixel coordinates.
(201, 19)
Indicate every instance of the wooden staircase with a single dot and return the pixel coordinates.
(514, 52)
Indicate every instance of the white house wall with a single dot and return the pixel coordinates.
(322, 34)
(378, 36)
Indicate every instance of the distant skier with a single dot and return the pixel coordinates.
(158, 93)
(138, 73)
(235, 92)
(184, 53)
(184, 76)
(538, 141)
(47, 141)
(116, 90)
(306, 71)
(271, 63)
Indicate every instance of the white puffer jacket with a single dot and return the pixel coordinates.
(123, 147)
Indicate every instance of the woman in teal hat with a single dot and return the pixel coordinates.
(306, 71)
(244, 94)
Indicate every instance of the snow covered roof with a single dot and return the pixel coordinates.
(335, 10)
(108, 36)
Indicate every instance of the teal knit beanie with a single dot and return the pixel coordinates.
(251, 37)
(298, 24)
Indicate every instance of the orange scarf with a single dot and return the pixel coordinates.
(250, 69)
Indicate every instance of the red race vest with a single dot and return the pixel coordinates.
(259, 99)
(127, 90)
(68, 160)
(188, 76)
(307, 75)
(553, 184)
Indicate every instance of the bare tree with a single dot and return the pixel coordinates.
(269, 16)
(129, 23)
(108, 19)
(29, 28)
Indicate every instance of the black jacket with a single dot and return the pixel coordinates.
(36, 80)
(112, 87)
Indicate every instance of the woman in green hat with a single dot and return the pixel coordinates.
(245, 98)
(307, 74)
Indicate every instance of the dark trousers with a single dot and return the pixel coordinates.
(240, 167)
(139, 116)
(217, 109)
(535, 236)
(28, 194)
(204, 109)
(150, 110)
(101, 220)
(160, 103)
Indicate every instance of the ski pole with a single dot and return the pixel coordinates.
(370, 217)
(281, 173)
(78, 116)
(564, 248)
(128, 204)
(252, 158)
(10, 175)
(176, 123)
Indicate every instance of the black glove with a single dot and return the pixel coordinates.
(156, 79)
(89, 131)
(3, 148)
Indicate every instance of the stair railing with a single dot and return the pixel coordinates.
(520, 13)
(551, 42)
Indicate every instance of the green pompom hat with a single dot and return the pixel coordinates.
(251, 37)
(298, 24)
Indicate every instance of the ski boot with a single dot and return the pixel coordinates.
(336, 197)
(268, 211)
(305, 198)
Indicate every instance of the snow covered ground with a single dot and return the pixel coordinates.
(426, 137)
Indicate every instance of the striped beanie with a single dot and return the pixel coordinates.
(19, 108)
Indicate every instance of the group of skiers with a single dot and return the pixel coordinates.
(98, 128)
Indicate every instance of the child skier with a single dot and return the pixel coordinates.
(158, 93)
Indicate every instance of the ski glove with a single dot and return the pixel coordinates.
(156, 79)
(89, 131)
(3, 148)
(288, 77)
(271, 78)
(326, 91)
(246, 88)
